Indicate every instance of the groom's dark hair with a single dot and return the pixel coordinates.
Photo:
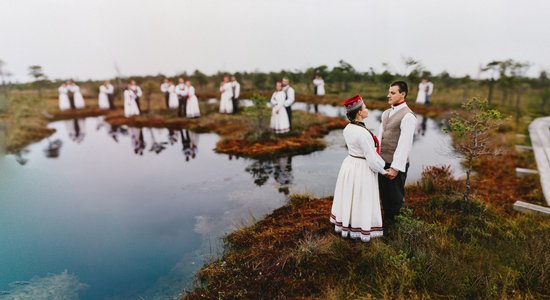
(402, 85)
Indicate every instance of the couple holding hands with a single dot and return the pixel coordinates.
(375, 169)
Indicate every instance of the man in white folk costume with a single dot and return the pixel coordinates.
(289, 99)
(396, 135)
(106, 91)
(356, 205)
(137, 91)
(236, 90)
(164, 89)
(226, 97)
(181, 91)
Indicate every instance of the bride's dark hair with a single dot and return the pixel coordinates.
(353, 113)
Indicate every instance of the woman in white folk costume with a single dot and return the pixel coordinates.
(77, 96)
(356, 205)
(173, 101)
(130, 105)
(279, 118)
(192, 108)
(226, 98)
(422, 92)
(319, 85)
(105, 91)
(64, 102)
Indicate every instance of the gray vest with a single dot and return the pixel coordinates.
(391, 131)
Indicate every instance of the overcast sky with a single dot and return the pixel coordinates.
(83, 39)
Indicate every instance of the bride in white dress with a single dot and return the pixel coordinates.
(356, 205)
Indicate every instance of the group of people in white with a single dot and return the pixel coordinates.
(281, 103)
(425, 90)
(229, 98)
(70, 96)
(181, 97)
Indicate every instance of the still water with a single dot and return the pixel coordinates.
(95, 212)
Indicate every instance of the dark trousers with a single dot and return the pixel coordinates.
(71, 100)
(111, 101)
(289, 113)
(235, 105)
(137, 103)
(392, 194)
(167, 99)
(182, 107)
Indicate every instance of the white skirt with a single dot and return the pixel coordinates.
(421, 97)
(130, 108)
(103, 101)
(64, 102)
(226, 104)
(356, 205)
(192, 108)
(279, 121)
(173, 101)
(79, 100)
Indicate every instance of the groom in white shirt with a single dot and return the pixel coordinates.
(396, 137)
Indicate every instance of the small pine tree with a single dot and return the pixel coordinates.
(473, 132)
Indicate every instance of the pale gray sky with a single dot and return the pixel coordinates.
(83, 39)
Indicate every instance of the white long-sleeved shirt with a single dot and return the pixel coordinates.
(360, 143)
(137, 90)
(404, 144)
(106, 89)
(430, 88)
(181, 90)
(164, 87)
(289, 94)
(226, 90)
(236, 88)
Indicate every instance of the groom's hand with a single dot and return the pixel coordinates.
(392, 173)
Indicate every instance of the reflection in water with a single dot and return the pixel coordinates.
(156, 147)
(189, 141)
(420, 126)
(280, 169)
(52, 150)
(76, 128)
(138, 143)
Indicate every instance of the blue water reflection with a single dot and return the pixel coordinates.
(117, 212)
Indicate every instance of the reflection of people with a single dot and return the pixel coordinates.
(131, 107)
(52, 150)
(186, 144)
(138, 143)
(76, 129)
(156, 147)
(318, 86)
(172, 137)
(396, 133)
(164, 89)
(429, 91)
(192, 109)
(356, 206)
(289, 99)
(182, 93)
(64, 102)
(279, 118)
(282, 173)
(422, 92)
(421, 126)
(236, 91)
(77, 96)
(226, 98)
(106, 91)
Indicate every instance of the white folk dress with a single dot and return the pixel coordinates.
(130, 105)
(356, 206)
(78, 99)
(173, 101)
(192, 109)
(320, 85)
(226, 99)
(421, 96)
(279, 118)
(104, 97)
(64, 102)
